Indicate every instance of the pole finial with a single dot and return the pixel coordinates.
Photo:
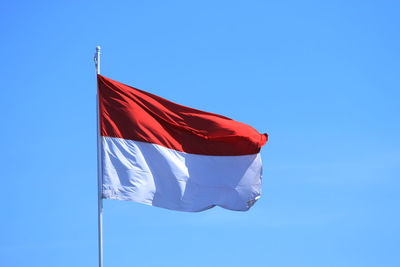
(97, 59)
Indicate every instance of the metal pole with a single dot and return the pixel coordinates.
(99, 165)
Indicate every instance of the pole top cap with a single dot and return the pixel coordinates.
(98, 48)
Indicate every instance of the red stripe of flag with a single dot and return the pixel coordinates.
(129, 113)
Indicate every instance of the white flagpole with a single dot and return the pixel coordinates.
(99, 165)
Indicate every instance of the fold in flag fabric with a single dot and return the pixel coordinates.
(159, 153)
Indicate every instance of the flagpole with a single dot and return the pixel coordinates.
(99, 166)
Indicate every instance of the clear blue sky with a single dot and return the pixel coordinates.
(321, 77)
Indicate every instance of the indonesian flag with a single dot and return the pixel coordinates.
(163, 154)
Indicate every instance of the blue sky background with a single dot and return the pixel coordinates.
(320, 77)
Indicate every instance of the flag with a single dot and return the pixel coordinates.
(159, 153)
